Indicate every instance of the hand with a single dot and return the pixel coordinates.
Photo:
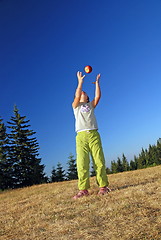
(80, 77)
(98, 77)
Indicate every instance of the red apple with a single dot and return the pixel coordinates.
(88, 69)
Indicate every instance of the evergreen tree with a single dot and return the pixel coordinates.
(142, 159)
(139, 162)
(6, 170)
(108, 171)
(60, 173)
(146, 158)
(132, 165)
(72, 168)
(113, 166)
(159, 150)
(53, 177)
(3, 141)
(119, 165)
(27, 169)
(153, 156)
(149, 155)
(125, 164)
(136, 162)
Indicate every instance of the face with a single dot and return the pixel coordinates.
(84, 97)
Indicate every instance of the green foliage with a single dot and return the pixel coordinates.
(125, 164)
(53, 177)
(114, 167)
(20, 165)
(147, 157)
(119, 165)
(6, 170)
(133, 164)
(60, 173)
(108, 171)
(159, 151)
(72, 168)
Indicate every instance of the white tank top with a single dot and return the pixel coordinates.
(85, 118)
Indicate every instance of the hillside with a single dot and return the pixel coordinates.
(132, 210)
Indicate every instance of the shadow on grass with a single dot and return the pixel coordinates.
(135, 185)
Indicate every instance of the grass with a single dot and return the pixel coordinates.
(132, 210)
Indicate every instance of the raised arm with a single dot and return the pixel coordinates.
(78, 90)
(97, 91)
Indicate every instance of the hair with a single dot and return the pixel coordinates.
(87, 99)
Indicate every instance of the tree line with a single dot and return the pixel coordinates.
(147, 158)
(20, 164)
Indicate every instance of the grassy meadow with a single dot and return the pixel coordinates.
(132, 210)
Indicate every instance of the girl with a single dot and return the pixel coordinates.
(88, 140)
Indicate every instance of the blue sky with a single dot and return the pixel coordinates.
(44, 43)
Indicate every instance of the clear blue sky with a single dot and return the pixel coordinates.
(43, 43)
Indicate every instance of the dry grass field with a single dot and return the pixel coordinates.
(132, 210)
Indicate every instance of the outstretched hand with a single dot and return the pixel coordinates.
(80, 77)
(98, 77)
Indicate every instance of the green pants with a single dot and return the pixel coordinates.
(89, 142)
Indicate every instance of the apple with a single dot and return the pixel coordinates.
(88, 69)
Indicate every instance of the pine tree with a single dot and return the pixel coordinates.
(119, 165)
(132, 165)
(60, 173)
(159, 150)
(136, 162)
(125, 164)
(53, 177)
(6, 170)
(113, 166)
(142, 160)
(108, 171)
(153, 156)
(72, 168)
(27, 169)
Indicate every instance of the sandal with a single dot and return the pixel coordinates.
(81, 193)
(104, 190)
